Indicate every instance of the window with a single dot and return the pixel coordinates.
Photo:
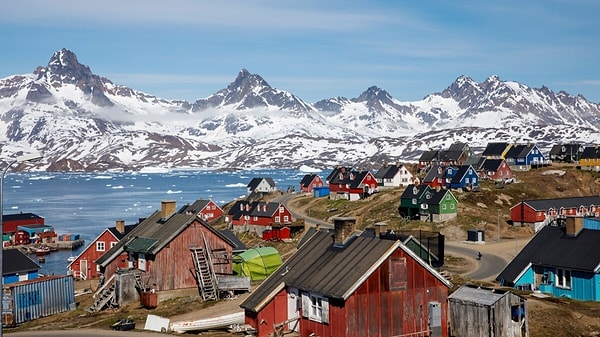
(255, 218)
(444, 206)
(277, 219)
(315, 307)
(563, 278)
(398, 273)
(112, 244)
(281, 209)
(286, 218)
(100, 246)
(414, 201)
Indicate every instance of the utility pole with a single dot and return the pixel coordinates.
(498, 225)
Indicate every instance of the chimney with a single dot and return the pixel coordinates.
(380, 227)
(343, 230)
(120, 225)
(574, 225)
(167, 208)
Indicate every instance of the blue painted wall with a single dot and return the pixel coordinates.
(585, 286)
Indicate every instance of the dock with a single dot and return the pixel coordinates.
(59, 245)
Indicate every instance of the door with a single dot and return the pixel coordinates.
(83, 266)
(142, 261)
(293, 307)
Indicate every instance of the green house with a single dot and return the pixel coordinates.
(410, 200)
(438, 205)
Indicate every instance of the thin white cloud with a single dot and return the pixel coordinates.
(233, 14)
(148, 78)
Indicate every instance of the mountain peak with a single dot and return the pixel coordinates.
(245, 80)
(374, 93)
(64, 67)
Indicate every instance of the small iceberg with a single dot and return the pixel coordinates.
(308, 169)
(236, 185)
(154, 170)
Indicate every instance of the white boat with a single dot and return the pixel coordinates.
(71, 258)
(224, 321)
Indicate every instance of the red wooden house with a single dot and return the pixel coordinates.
(495, 169)
(161, 247)
(309, 182)
(84, 266)
(351, 184)
(206, 209)
(355, 286)
(435, 177)
(538, 213)
(256, 216)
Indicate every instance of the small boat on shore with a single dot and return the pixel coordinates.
(123, 324)
(220, 322)
(42, 251)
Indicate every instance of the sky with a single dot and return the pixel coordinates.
(314, 49)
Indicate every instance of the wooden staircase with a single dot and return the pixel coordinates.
(204, 272)
(139, 283)
(105, 296)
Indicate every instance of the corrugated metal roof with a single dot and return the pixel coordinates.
(321, 267)
(335, 272)
(153, 227)
(483, 296)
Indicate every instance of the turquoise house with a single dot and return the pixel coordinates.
(562, 261)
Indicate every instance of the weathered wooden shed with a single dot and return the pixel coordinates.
(487, 312)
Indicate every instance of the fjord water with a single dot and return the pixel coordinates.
(88, 203)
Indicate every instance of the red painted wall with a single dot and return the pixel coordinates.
(316, 182)
(275, 312)
(211, 212)
(11, 225)
(170, 268)
(90, 254)
(373, 310)
(265, 221)
(523, 213)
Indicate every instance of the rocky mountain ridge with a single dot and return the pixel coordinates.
(82, 121)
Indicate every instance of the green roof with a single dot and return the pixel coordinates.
(140, 245)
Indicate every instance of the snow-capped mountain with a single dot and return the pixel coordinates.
(81, 121)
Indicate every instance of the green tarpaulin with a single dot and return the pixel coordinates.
(257, 263)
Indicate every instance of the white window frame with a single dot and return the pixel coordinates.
(100, 246)
(315, 307)
(563, 278)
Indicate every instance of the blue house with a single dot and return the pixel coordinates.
(464, 176)
(16, 266)
(523, 157)
(563, 261)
